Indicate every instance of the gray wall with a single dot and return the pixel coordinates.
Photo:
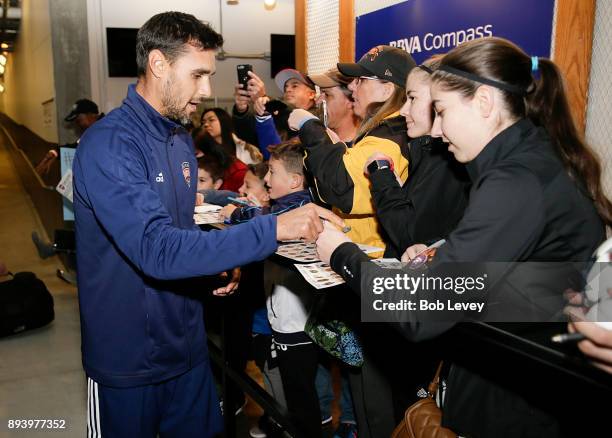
(70, 59)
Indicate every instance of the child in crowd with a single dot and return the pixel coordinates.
(210, 174)
(285, 182)
(253, 190)
(294, 351)
(210, 179)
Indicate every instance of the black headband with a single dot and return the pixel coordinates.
(497, 84)
(425, 69)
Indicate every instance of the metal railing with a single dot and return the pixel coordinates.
(240, 379)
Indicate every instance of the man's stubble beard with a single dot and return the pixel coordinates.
(171, 107)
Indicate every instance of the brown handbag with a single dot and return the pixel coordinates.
(423, 419)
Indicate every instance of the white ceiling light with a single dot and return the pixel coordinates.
(269, 4)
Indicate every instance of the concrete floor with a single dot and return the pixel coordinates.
(41, 376)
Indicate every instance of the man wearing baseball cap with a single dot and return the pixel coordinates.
(298, 91)
(270, 114)
(84, 113)
(338, 103)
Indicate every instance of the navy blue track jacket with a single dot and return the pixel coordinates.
(279, 206)
(135, 178)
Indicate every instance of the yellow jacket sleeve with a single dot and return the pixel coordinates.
(354, 161)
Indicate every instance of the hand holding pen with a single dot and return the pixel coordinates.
(596, 342)
(248, 201)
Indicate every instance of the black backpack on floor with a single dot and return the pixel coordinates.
(25, 304)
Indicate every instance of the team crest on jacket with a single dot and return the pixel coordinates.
(186, 173)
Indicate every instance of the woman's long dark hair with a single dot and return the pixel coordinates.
(227, 130)
(224, 153)
(545, 103)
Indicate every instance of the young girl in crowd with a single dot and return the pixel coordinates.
(431, 202)
(536, 197)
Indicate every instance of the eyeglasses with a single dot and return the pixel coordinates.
(368, 78)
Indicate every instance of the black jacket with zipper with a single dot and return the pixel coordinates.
(431, 202)
(523, 207)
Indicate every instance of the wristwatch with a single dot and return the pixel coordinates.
(377, 165)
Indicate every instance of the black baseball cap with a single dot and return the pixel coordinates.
(82, 106)
(385, 62)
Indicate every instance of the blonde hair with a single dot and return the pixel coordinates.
(378, 111)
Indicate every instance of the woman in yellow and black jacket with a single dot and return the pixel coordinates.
(378, 93)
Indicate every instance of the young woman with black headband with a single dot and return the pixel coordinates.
(432, 201)
(536, 197)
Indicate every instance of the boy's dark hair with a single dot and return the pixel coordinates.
(168, 32)
(259, 169)
(291, 153)
(212, 166)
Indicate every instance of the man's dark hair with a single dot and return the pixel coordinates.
(168, 32)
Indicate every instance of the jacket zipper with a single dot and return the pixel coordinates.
(178, 218)
(172, 180)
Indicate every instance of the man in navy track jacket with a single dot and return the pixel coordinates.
(135, 177)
